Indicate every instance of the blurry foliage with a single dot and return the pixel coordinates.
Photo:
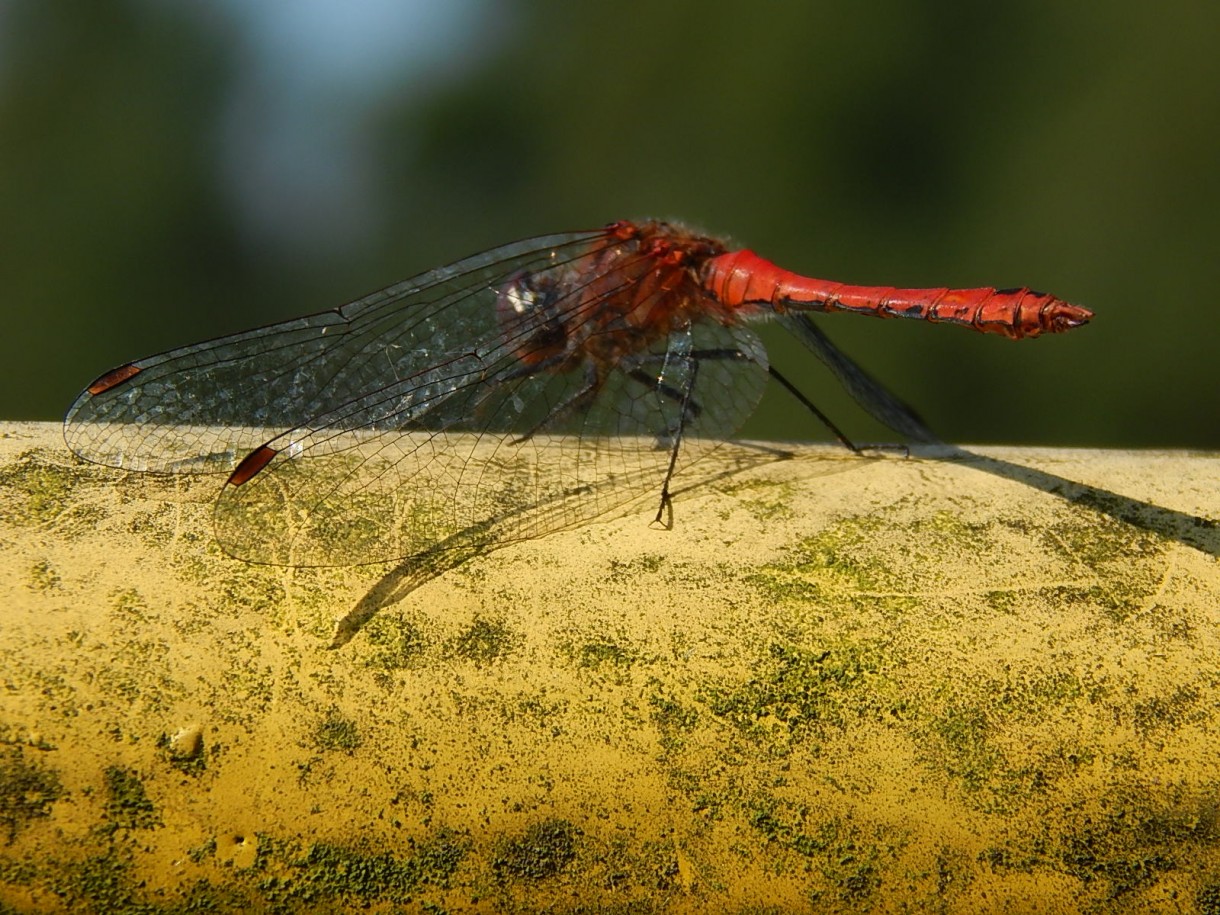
(1070, 148)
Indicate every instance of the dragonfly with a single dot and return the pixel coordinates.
(527, 389)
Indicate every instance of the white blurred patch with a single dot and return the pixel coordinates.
(294, 150)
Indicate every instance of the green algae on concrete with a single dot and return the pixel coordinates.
(836, 685)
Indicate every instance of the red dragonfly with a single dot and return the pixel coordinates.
(520, 391)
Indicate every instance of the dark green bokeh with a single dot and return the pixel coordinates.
(1070, 147)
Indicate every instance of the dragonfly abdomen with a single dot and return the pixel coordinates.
(743, 281)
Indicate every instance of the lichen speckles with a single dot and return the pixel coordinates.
(142, 674)
(762, 500)
(129, 607)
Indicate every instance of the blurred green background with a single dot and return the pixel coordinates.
(171, 171)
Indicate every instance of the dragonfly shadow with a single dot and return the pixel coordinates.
(417, 570)
(1192, 530)
(876, 400)
(395, 585)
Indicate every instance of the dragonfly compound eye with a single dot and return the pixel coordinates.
(527, 308)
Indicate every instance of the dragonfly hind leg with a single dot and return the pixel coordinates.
(812, 408)
(851, 446)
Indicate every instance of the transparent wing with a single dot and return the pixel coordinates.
(200, 408)
(417, 416)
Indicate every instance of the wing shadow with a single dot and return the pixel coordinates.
(421, 568)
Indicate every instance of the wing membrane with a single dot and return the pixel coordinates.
(413, 417)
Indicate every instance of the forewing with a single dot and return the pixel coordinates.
(200, 408)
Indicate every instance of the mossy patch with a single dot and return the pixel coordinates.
(609, 651)
(849, 862)
(327, 871)
(27, 791)
(674, 721)
(843, 569)
(394, 643)
(599, 652)
(337, 732)
(127, 803)
(1096, 539)
(648, 564)
(797, 690)
(43, 576)
(968, 752)
(283, 878)
(37, 490)
(1167, 711)
(1127, 560)
(978, 733)
(832, 561)
(1121, 844)
(1208, 898)
(483, 642)
(543, 850)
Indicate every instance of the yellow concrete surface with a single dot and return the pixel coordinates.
(925, 683)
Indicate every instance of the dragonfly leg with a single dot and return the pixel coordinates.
(667, 391)
(690, 409)
(666, 499)
(642, 377)
(809, 405)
